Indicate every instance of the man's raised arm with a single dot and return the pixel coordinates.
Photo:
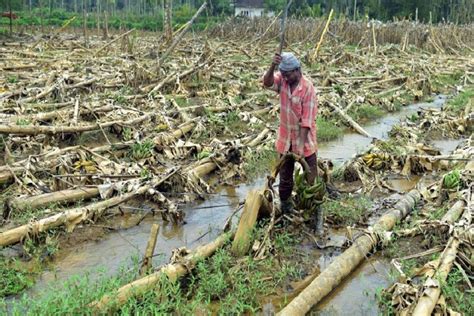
(268, 77)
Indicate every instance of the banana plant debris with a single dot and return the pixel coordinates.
(130, 122)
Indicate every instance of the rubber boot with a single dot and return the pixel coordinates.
(286, 206)
(319, 221)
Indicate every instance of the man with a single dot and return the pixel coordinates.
(297, 130)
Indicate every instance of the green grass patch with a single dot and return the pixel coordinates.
(443, 81)
(366, 112)
(459, 102)
(457, 294)
(14, 278)
(220, 284)
(142, 150)
(348, 210)
(327, 130)
(259, 162)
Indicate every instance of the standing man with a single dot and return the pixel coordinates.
(297, 130)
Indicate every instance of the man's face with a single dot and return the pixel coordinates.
(290, 76)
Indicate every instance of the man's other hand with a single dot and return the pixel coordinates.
(276, 59)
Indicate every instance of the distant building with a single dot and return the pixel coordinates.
(250, 8)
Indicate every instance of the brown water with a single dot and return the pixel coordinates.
(356, 294)
(204, 221)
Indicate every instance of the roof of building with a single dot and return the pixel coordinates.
(249, 3)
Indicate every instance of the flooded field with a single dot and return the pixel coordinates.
(97, 150)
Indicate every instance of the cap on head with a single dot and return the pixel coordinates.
(289, 62)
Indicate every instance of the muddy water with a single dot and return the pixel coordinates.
(356, 294)
(352, 143)
(204, 222)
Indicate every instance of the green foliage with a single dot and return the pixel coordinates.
(22, 122)
(142, 150)
(327, 129)
(259, 162)
(203, 154)
(452, 180)
(72, 297)
(366, 112)
(457, 297)
(127, 133)
(347, 211)
(459, 102)
(13, 278)
(12, 79)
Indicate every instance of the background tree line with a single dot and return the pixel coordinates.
(148, 14)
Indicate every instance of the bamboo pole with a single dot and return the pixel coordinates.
(150, 249)
(345, 263)
(326, 27)
(108, 303)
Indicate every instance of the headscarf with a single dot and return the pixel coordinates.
(289, 62)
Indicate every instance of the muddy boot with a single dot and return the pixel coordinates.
(286, 206)
(319, 221)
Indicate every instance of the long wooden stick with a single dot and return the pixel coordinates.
(326, 27)
(180, 35)
(351, 122)
(113, 41)
(150, 249)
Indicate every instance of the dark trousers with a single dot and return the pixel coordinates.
(286, 175)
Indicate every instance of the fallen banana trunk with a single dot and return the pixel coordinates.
(62, 197)
(173, 271)
(72, 217)
(349, 120)
(432, 291)
(432, 286)
(349, 259)
(46, 116)
(52, 130)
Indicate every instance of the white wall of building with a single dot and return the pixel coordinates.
(251, 12)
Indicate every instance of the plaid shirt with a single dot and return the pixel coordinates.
(298, 109)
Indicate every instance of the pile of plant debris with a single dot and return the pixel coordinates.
(88, 126)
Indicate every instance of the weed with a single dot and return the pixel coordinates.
(366, 112)
(384, 300)
(13, 278)
(348, 210)
(203, 154)
(443, 81)
(127, 133)
(181, 101)
(459, 102)
(12, 79)
(455, 293)
(327, 129)
(259, 162)
(142, 150)
(23, 122)
(284, 243)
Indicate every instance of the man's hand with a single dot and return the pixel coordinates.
(276, 59)
(301, 140)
